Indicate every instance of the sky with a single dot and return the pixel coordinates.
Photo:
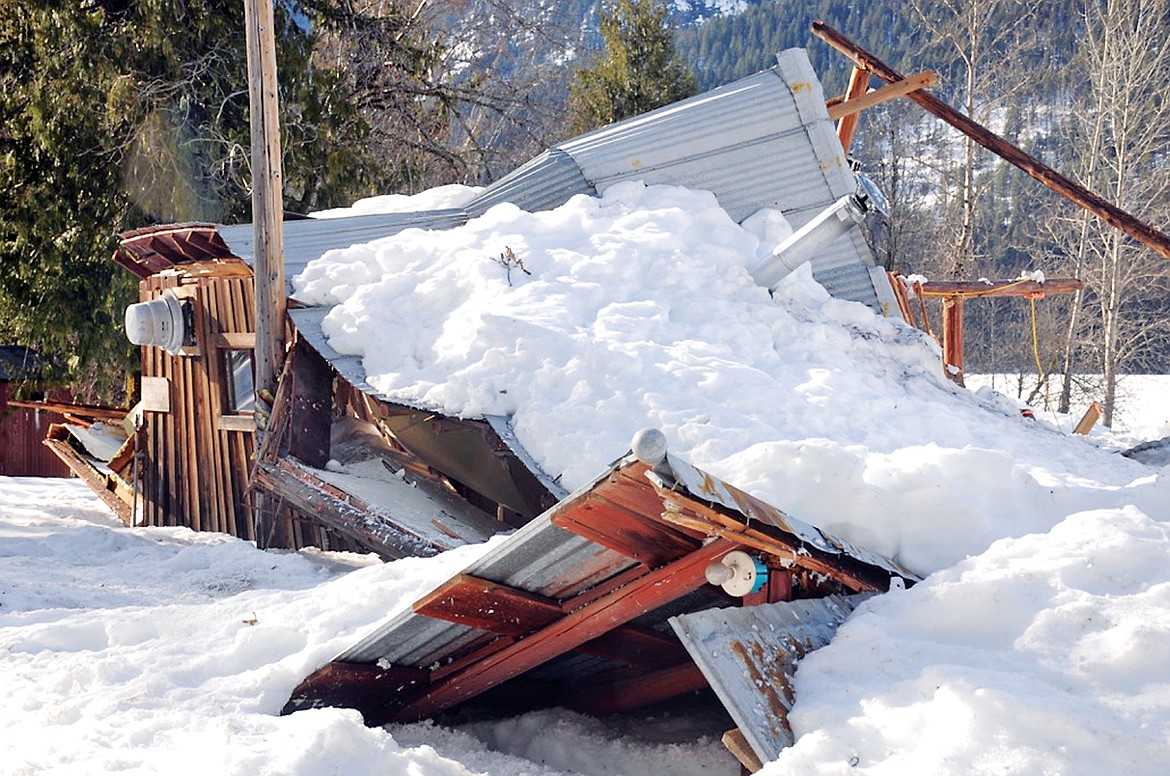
(1035, 645)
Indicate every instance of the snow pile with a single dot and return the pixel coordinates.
(636, 310)
(1045, 655)
(1037, 646)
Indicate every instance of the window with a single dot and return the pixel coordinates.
(241, 391)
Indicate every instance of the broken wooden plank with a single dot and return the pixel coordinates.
(345, 514)
(749, 656)
(1102, 208)
(105, 486)
(310, 406)
(737, 744)
(1089, 419)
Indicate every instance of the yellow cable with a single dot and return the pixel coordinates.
(1036, 354)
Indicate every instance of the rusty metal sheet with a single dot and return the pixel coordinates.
(705, 487)
(749, 657)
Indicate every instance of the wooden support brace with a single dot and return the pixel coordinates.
(650, 591)
(952, 312)
(851, 106)
(1103, 209)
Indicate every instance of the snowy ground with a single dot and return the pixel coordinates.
(1037, 644)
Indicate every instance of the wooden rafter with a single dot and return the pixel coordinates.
(1102, 208)
(650, 591)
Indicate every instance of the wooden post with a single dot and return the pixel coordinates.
(267, 219)
(858, 85)
(952, 309)
(267, 196)
(1103, 209)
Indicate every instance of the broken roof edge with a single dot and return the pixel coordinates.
(609, 554)
(670, 472)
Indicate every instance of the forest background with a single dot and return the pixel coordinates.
(116, 114)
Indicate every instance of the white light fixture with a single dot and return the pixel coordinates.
(158, 322)
(737, 573)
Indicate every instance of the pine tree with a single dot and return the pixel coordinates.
(637, 70)
(117, 114)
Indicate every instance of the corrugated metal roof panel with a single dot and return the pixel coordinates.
(772, 125)
(543, 183)
(308, 239)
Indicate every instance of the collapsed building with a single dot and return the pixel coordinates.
(654, 580)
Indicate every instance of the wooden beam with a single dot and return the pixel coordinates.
(353, 685)
(636, 647)
(636, 536)
(972, 289)
(847, 122)
(1142, 232)
(738, 745)
(87, 411)
(633, 691)
(850, 107)
(650, 591)
(490, 606)
(509, 611)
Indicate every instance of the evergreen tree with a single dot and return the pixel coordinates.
(117, 113)
(638, 69)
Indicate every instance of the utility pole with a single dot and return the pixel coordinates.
(267, 227)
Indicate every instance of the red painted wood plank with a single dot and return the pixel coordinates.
(491, 606)
(634, 691)
(634, 535)
(353, 685)
(651, 591)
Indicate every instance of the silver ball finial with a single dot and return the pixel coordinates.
(649, 446)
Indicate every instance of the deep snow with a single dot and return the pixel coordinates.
(1037, 644)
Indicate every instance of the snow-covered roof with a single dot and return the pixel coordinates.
(765, 141)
